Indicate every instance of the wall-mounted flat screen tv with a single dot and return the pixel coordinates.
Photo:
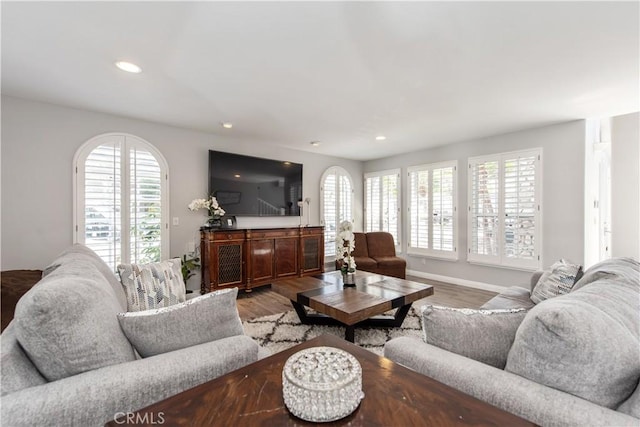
(253, 186)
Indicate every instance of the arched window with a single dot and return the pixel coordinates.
(121, 199)
(336, 205)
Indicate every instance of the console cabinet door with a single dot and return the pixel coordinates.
(286, 257)
(312, 250)
(261, 255)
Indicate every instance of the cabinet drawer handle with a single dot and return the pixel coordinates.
(229, 236)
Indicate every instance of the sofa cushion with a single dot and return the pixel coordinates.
(153, 285)
(585, 343)
(483, 335)
(380, 244)
(615, 268)
(512, 297)
(81, 252)
(558, 280)
(67, 323)
(206, 318)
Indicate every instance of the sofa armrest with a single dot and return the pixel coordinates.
(535, 402)
(96, 397)
(535, 277)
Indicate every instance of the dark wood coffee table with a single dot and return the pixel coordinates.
(393, 396)
(360, 305)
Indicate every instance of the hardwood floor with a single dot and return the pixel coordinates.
(263, 301)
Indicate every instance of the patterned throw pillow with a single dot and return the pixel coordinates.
(559, 280)
(482, 335)
(153, 285)
(209, 317)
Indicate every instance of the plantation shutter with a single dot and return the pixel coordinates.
(382, 192)
(120, 200)
(484, 208)
(102, 224)
(419, 209)
(504, 214)
(520, 207)
(330, 214)
(336, 192)
(373, 204)
(432, 210)
(442, 191)
(145, 179)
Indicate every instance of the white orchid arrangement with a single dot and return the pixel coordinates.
(210, 204)
(345, 244)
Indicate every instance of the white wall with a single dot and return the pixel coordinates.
(38, 144)
(563, 193)
(625, 186)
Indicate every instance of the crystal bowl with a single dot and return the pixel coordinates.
(322, 384)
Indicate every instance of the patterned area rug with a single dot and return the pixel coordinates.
(278, 332)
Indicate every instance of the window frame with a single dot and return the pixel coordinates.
(338, 171)
(381, 174)
(501, 259)
(430, 251)
(127, 142)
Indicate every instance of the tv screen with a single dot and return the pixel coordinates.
(252, 186)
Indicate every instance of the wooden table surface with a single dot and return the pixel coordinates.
(373, 294)
(394, 396)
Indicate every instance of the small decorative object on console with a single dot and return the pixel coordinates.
(214, 209)
(346, 243)
(322, 384)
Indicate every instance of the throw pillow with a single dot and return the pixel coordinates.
(482, 335)
(557, 281)
(153, 285)
(67, 324)
(584, 343)
(203, 319)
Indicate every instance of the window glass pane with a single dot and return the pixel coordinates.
(102, 200)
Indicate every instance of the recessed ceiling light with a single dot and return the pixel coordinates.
(315, 143)
(380, 138)
(227, 125)
(287, 163)
(128, 67)
(237, 175)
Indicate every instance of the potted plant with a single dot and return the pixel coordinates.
(188, 265)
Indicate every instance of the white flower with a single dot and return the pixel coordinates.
(345, 244)
(210, 205)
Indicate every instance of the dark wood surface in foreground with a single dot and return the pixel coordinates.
(394, 396)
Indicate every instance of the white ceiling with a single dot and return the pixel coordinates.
(423, 73)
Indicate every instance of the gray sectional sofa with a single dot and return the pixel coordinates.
(66, 361)
(571, 360)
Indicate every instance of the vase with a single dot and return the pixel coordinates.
(214, 222)
(349, 278)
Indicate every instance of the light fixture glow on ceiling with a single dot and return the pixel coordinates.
(128, 67)
(380, 138)
(227, 125)
(315, 143)
(237, 175)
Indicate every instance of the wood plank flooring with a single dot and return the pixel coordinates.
(263, 301)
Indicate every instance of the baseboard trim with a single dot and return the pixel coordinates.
(457, 281)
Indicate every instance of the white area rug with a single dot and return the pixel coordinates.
(278, 332)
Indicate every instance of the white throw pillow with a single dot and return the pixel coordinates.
(153, 285)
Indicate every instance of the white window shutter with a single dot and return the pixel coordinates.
(336, 200)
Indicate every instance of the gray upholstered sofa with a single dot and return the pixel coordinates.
(571, 360)
(66, 361)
